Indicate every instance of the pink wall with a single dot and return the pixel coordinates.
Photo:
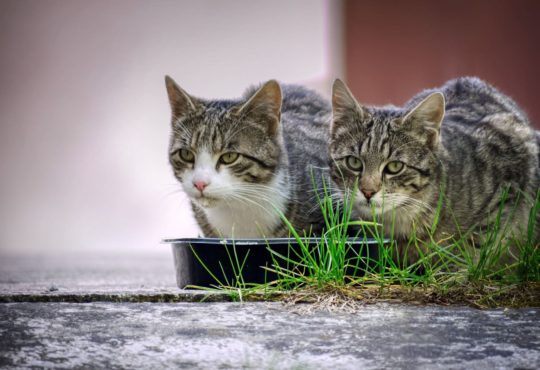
(396, 48)
(84, 117)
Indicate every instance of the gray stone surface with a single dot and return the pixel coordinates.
(115, 334)
(88, 273)
(264, 336)
(136, 277)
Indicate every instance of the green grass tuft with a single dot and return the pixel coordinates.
(453, 270)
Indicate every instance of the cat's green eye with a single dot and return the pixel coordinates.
(186, 155)
(229, 158)
(394, 167)
(354, 163)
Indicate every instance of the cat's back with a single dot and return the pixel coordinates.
(470, 100)
(304, 112)
(487, 143)
(300, 101)
(478, 113)
(305, 117)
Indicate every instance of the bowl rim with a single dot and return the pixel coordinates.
(262, 241)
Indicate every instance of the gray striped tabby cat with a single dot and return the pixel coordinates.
(465, 139)
(239, 160)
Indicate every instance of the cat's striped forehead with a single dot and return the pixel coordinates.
(215, 126)
(379, 138)
(375, 134)
(205, 129)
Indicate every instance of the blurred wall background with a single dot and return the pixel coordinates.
(394, 49)
(84, 116)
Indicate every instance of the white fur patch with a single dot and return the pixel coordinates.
(396, 217)
(233, 207)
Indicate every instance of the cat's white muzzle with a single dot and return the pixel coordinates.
(378, 204)
(205, 200)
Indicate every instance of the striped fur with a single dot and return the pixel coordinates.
(281, 136)
(483, 145)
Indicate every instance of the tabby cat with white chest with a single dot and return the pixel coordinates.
(242, 162)
(465, 141)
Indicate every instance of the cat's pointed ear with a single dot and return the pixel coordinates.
(344, 105)
(426, 118)
(181, 102)
(264, 106)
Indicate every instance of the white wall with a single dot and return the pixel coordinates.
(84, 118)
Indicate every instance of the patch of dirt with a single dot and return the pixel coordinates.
(351, 298)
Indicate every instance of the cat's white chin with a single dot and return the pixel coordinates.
(368, 209)
(206, 202)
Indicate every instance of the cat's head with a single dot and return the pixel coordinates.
(388, 152)
(221, 150)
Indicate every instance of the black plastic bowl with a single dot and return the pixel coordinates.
(207, 262)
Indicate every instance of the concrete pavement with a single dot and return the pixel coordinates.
(127, 333)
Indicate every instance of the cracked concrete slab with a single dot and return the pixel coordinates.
(47, 332)
(265, 336)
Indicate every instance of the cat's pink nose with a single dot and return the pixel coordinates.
(200, 185)
(368, 193)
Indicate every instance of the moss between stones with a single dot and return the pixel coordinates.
(331, 297)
